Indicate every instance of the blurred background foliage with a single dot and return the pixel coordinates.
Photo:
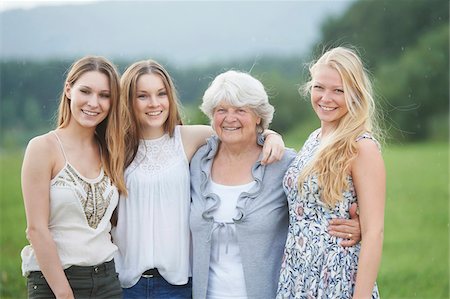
(405, 45)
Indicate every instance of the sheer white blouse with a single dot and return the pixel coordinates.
(153, 221)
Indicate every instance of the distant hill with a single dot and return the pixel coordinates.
(184, 32)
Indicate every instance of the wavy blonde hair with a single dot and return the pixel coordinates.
(333, 158)
(109, 133)
(128, 95)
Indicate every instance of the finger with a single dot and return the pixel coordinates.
(343, 229)
(266, 155)
(354, 211)
(347, 243)
(341, 235)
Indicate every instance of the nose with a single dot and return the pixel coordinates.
(93, 100)
(152, 101)
(230, 116)
(327, 96)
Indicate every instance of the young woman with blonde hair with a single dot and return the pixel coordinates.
(71, 180)
(339, 164)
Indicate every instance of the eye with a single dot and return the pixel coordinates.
(85, 91)
(105, 95)
(339, 90)
(141, 96)
(241, 110)
(318, 87)
(162, 93)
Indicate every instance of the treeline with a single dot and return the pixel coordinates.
(404, 42)
(406, 45)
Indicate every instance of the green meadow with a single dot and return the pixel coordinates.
(416, 245)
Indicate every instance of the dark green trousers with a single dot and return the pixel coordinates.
(93, 282)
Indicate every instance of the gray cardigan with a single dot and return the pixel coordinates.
(261, 224)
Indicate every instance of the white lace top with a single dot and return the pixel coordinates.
(80, 213)
(153, 228)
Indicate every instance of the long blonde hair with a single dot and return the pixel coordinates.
(331, 163)
(109, 133)
(128, 96)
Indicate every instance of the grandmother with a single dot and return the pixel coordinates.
(239, 212)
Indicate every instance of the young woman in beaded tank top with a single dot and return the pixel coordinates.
(71, 180)
(339, 164)
(152, 229)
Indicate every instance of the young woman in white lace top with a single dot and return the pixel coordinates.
(71, 180)
(152, 230)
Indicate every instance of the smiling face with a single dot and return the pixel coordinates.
(151, 105)
(235, 124)
(327, 96)
(89, 99)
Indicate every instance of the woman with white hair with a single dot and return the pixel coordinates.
(239, 213)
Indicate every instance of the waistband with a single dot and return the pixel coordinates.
(106, 267)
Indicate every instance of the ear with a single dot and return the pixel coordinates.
(67, 90)
(258, 120)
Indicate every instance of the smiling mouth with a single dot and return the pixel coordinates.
(90, 113)
(230, 128)
(154, 113)
(327, 108)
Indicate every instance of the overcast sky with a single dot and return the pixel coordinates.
(27, 4)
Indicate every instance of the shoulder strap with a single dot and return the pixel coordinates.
(60, 145)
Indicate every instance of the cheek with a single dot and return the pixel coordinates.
(216, 121)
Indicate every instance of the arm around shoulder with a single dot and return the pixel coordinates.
(194, 136)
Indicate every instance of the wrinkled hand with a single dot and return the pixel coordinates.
(347, 229)
(273, 149)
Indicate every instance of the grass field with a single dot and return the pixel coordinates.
(416, 248)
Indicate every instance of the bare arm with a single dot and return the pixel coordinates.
(194, 136)
(370, 183)
(36, 176)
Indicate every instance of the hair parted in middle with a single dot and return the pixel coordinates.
(239, 89)
(128, 93)
(332, 160)
(110, 132)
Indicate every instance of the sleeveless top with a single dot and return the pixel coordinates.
(79, 222)
(152, 229)
(314, 264)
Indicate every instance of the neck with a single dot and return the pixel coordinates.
(79, 134)
(152, 133)
(239, 151)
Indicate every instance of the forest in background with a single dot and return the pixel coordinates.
(404, 43)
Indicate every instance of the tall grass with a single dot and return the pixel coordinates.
(416, 245)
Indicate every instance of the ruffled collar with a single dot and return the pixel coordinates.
(210, 199)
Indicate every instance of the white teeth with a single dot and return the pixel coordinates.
(155, 113)
(230, 129)
(327, 108)
(90, 113)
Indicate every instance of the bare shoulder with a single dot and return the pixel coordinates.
(42, 147)
(368, 148)
(43, 142)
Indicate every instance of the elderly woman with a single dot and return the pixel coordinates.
(239, 212)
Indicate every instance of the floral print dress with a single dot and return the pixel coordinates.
(314, 264)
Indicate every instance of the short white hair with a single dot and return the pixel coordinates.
(238, 89)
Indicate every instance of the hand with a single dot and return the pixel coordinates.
(273, 148)
(347, 229)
